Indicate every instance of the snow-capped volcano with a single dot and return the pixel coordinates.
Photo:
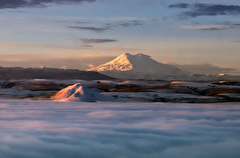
(139, 66)
(78, 92)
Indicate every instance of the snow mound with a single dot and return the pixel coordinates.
(139, 66)
(78, 92)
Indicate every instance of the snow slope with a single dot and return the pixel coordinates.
(78, 92)
(139, 66)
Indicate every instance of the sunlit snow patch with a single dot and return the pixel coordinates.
(78, 92)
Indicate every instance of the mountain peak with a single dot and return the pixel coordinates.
(142, 55)
(137, 66)
(125, 54)
(121, 63)
(134, 55)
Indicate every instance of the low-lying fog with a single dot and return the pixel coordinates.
(118, 130)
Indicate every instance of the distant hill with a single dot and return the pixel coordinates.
(139, 66)
(7, 73)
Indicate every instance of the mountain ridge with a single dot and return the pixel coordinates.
(8, 73)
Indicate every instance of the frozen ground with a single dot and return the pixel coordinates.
(46, 129)
(123, 91)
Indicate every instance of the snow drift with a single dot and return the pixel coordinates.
(78, 92)
(139, 66)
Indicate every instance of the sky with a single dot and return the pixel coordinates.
(84, 33)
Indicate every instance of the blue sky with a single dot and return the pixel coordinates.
(35, 33)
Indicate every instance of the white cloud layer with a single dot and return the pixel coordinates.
(118, 130)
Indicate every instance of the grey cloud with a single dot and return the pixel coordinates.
(69, 21)
(125, 24)
(107, 26)
(223, 28)
(216, 27)
(13, 3)
(212, 29)
(206, 27)
(95, 29)
(82, 22)
(94, 41)
(202, 9)
(231, 24)
(228, 25)
(180, 5)
(130, 23)
(35, 3)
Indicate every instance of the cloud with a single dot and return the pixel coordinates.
(218, 26)
(202, 68)
(94, 29)
(114, 130)
(96, 41)
(35, 3)
(87, 46)
(202, 9)
(180, 5)
(82, 22)
(130, 23)
(206, 27)
(108, 26)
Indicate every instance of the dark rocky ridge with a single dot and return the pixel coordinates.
(7, 73)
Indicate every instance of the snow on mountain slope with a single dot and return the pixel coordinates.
(78, 92)
(121, 63)
(139, 66)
